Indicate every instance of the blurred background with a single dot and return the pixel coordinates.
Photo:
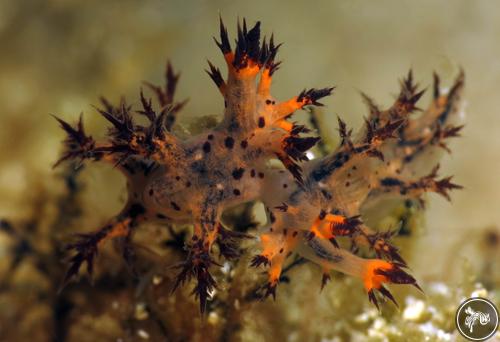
(59, 56)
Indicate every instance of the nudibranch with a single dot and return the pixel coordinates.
(311, 205)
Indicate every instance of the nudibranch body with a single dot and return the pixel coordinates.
(311, 205)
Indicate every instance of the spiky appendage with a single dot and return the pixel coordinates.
(87, 245)
(325, 279)
(197, 266)
(165, 96)
(378, 272)
(259, 260)
(229, 242)
(313, 206)
(416, 188)
(78, 144)
(380, 243)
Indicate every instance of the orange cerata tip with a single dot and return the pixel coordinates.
(250, 70)
(285, 125)
(373, 280)
(265, 82)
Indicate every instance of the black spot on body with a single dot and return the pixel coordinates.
(408, 158)
(175, 206)
(261, 175)
(151, 192)
(210, 137)
(238, 173)
(262, 122)
(207, 147)
(272, 217)
(199, 167)
(236, 192)
(244, 144)
(229, 142)
(135, 210)
(391, 182)
(252, 173)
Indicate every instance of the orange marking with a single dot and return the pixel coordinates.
(275, 271)
(268, 245)
(318, 229)
(285, 125)
(441, 101)
(118, 229)
(335, 219)
(109, 158)
(265, 238)
(286, 108)
(197, 230)
(265, 83)
(372, 280)
(250, 70)
(211, 236)
(323, 228)
(292, 210)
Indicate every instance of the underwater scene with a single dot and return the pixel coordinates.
(249, 171)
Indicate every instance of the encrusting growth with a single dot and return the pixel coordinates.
(311, 205)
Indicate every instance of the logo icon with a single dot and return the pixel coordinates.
(477, 319)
